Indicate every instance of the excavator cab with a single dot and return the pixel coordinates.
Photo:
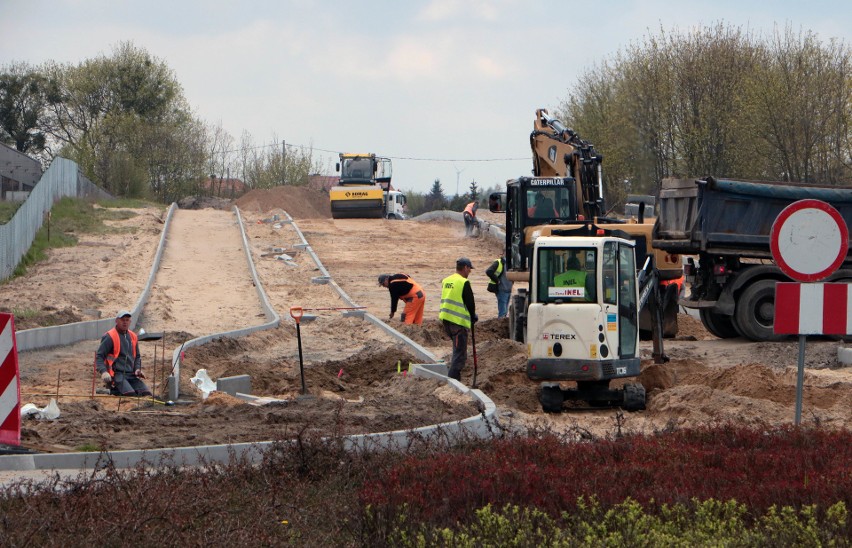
(582, 320)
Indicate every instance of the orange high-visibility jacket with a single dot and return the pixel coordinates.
(415, 289)
(116, 348)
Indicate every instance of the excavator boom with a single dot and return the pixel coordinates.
(558, 151)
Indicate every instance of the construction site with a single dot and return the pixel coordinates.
(340, 373)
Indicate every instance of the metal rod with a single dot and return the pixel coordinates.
(800, 379)
(475, 362)
(151, 399)
(296, 314)
(72, 395)
(301, 366)
(338, 308)
(154, 370)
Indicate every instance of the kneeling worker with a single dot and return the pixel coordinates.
(118, 360)
(401, 286)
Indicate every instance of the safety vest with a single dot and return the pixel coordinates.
(492, 285)
(570, 278)
(469, 209)
(415, 289)
(116, 347)
(452, 305)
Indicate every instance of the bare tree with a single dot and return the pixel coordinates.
(802, 97)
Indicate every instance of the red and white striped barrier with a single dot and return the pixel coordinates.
(813, 308)
(10, 383)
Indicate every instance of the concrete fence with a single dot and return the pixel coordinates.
(62, 179)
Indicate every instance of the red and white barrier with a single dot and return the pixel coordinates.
(10, 383)
(813, 308)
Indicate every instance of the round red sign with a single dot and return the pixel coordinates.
(809, 240)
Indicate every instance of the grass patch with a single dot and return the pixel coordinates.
(88, 448)
(8, 210)
(23, 313)
(130, 203)
(70, 217)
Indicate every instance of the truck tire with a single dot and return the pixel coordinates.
(516, 323)
(755, 312)
(717, 324)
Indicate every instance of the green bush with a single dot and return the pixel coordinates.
(700, 523)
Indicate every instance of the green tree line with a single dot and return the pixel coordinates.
(715, 101)
(124, 119)
(718, 101)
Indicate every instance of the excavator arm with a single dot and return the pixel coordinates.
(649, 294)
(559, 152)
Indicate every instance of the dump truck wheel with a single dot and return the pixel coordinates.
(670, 312)
(755, 312)
(717, 324)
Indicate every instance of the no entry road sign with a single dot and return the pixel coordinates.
(809, 240)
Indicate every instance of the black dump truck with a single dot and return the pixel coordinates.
(725, 226)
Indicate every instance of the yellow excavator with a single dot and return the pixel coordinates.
(363, 190)
(566, 190)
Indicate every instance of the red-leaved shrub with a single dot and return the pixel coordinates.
(786, 466)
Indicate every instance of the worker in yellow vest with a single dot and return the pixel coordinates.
(500, 285)
(458, 313)
(575, 277)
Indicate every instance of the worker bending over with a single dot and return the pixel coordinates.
(471, 225)
(401, 286)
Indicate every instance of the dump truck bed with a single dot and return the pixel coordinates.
(724, 217)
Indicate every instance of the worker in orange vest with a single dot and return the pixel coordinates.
(469, 215)
(402, 287)
(118, 360)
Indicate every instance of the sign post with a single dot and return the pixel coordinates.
(10, 384)
(809, 241)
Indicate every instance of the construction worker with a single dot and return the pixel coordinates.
(118, 359)
(500, 284)
(458, 313)
(469, 215)
(401, 286)
(575, 276)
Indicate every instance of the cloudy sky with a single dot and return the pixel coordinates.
(447, 88)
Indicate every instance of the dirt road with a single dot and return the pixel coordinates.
(351, 366)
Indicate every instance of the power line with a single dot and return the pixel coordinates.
(411, 158)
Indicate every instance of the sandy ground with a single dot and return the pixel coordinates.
(351, 367)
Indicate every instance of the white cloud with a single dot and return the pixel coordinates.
(448, 79)
(458, 10)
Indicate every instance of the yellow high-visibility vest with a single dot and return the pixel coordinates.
(452, 305)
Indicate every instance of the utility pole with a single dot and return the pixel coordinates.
(283, 162)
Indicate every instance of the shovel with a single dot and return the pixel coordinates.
(296, 313)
